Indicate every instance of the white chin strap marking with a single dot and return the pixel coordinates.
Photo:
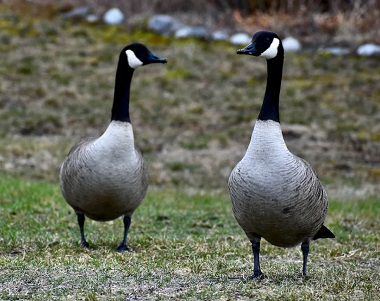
(272, 51)
(133, 61)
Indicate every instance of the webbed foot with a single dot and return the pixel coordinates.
(84, 244)
(122, 248)
(259, 276)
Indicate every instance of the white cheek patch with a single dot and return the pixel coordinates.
(272, 51)
(133, 61)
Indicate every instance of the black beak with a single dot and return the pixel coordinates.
(249, 50)
(155, 59)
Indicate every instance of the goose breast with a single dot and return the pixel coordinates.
(106, 177)
(275, 194)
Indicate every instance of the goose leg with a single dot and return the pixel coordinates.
(127, 223)
(305, 252)
(81, 220)
(256, 260)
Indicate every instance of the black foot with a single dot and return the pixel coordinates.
(84, 244)
(122, 248)
(257, 276)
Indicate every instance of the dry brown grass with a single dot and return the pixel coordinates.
(192, 117)
(328, 22)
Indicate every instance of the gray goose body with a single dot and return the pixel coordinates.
(275, 195)
(105, 178)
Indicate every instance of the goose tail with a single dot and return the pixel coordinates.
(324, 232)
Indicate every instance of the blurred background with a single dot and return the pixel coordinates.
(192, 117)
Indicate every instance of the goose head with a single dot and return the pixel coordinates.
(264, 44)
(131, 57)
(137, 55)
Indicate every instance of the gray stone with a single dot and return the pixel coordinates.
(77, 13)
(164, 24)
(191, 32)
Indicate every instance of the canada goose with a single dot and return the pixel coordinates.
(105, 178)
(275, 194)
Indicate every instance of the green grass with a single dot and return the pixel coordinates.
(186, 246)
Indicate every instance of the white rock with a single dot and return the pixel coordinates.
(240, 39)
(183, 32)
(368, 49)
(92, 18)
(113, 16)
(335, 50)
(291, 44)
(220, 35)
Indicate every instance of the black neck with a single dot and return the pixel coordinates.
(270, 107)
(120, 108)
